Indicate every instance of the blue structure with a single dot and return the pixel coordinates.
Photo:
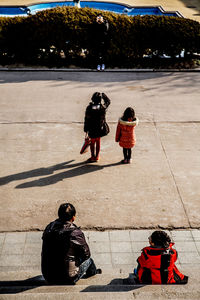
(13, 11)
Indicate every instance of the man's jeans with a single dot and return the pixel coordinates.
(87, 268)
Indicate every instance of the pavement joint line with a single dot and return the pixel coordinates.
(170, 228)
(110, 122)
(198, 251)
(3, 244)
(172, 174)
(111, 256)
(25, 243)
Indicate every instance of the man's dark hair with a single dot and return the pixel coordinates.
(96, 98)
(160, 238)
(66, 211)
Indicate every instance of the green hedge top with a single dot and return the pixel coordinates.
(69, 29)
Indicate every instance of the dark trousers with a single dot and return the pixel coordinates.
(86, 269)
(101, 53)
(127, 153)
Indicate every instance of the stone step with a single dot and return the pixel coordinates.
(34, 275)
(31, 286)
(102, 292)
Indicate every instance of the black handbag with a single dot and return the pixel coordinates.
(105, 129)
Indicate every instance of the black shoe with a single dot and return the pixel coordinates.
(124, 161)
(98, 271)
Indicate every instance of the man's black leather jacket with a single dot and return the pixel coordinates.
(63, 242)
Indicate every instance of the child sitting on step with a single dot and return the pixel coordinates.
(156, 264)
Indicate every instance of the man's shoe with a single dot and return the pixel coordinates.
(98, 68)
(103, 67)
(129, 161)
(98, 271)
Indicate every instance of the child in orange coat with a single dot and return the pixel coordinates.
(125, 134)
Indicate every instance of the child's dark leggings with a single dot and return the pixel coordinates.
(127, 153)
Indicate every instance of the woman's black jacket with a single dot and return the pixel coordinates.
(95, 117)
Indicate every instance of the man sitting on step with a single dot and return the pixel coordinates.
(65, 253)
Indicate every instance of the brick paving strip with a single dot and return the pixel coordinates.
(117, 249)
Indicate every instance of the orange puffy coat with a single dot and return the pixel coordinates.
(125, 134)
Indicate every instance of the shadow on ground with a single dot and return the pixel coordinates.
(35, 172)
(19, 286)
(116, 285)
(76, 169)
(91, 79)
(65, 78)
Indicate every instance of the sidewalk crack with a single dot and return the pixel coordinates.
(172, 174)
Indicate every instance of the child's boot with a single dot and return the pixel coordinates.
(124, 161)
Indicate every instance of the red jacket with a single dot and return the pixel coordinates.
(125, 134)
(157, 266)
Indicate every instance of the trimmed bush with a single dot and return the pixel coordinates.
(64, 36)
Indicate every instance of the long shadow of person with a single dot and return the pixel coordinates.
(116, 285)
(35, 172)
(80, 169)
(18, 286)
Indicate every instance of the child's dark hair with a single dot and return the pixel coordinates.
(129, 113)
(96, 98)
(66, 211)
(160, 238)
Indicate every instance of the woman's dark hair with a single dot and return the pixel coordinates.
(96, 98)
(66, 211)
(129, 113)
(160, 238)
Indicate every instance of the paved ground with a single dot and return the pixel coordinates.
(41, 122)
(41, 134)
(188, 8)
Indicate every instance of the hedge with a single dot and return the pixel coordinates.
(63, 35)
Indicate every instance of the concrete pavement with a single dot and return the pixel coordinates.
(41, 132)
